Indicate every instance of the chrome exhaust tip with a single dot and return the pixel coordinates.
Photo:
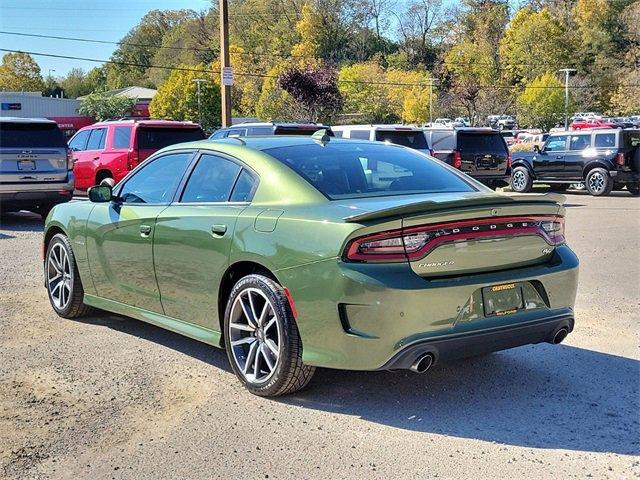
(422, 363)
(560, 335)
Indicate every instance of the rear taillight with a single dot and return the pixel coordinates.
(457, 159)
(417, 242)
(620, 159)
(132, 159)
(69, 159)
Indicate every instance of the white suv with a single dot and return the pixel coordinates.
(412, 137)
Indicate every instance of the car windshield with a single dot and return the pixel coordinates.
(480, 142)
(31, 135)
(156, 138)
(406, 138)
(358, 170)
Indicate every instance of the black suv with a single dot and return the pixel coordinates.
(479, 152)
(604, 159)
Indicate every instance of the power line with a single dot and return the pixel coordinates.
(263, 75)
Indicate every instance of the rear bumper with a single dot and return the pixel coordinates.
(363, 316)
(625, 176)
(25, 196)
(477, 343)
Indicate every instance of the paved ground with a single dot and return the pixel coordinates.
(109, 397)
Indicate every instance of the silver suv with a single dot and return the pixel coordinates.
(36, 167)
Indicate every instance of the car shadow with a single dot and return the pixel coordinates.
(538, 396)
(21, 222)
(542, 396)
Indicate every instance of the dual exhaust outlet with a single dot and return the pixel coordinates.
(426, 360)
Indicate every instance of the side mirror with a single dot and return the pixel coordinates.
(100, 193)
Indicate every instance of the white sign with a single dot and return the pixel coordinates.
(227, 76)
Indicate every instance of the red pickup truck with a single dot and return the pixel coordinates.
(584, 123)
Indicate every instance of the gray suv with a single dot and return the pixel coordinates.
(36, 167)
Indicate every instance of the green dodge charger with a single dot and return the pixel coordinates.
(301, 252)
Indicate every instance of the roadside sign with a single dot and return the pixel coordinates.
(227, 76)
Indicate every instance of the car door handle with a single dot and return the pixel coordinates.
(218, 230)
(145, 230)
(96, 158)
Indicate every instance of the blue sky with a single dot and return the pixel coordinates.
(103, 20)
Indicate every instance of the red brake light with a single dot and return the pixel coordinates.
(620, 159)
(132, 159)
(417, 242)
(69, 159)
(457, 159)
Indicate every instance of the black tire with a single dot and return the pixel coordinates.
(521, 180)
(634, 189)
(558, 187)
(74, 307)
(598, 182)
(103, 175)
(288, 374)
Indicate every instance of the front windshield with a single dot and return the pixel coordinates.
(358, 170)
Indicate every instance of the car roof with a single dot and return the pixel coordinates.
(462, 129)
(275, 124)
(408, 128)
(148, 123)
(26, 120)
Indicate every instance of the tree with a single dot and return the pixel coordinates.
(19, 72)
(177, 98)
(103, 107)
(534, 43)
(418, 26)
(541, 104)
(408, 93)
(76, 84)
(315, 90)
(626, 98)
(364, 92)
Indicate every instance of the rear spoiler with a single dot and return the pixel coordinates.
(434, 206)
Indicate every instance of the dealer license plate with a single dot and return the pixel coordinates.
(26, 165)
(502, 299)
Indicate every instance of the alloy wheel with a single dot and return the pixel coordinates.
(59, 279)
(519, 180)
(255, 335)
(596, 182)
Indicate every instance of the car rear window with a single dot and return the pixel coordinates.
(631, 139)
(300, 130)
(358, 170)
(31, 135)
(150, 138)
(481, 142)
(407, 138)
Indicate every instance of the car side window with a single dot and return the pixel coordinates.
(97, 139)
(237, 132)
(360, 134)
(442, 141)
(78, 142)
(580, 142)
(121, 137)
(211, 181)
(156, 182)
(556, 144)
(219, 134)
(243, 190)
(261, 130)
(605, 140)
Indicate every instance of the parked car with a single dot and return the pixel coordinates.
(586, 115)
(604, 159)
(442, 122)
(36, 167)
(112, 149)
(510, 136)
(462, 121)
(479, 152)
(406, 136)
(622, 122)
(506, 122)
(588, 123)
(269, 128)
(304, 252)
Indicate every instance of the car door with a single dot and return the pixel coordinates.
(576, 155)
(77, 145)
(549, 163)
(119, 245)
(88, 160)
(193, 238)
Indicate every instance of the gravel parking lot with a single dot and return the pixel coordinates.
(110, 397)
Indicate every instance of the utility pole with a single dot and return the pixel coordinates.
(431, 80)
(225, 62)
(566, 71)
(198, 82)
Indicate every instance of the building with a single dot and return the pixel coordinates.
(142, 95)
(64, 111)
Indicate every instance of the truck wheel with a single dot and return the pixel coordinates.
(521, 180)
(598, 182)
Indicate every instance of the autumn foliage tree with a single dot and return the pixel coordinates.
(315, 90)
(541, 104)
(19, 72)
